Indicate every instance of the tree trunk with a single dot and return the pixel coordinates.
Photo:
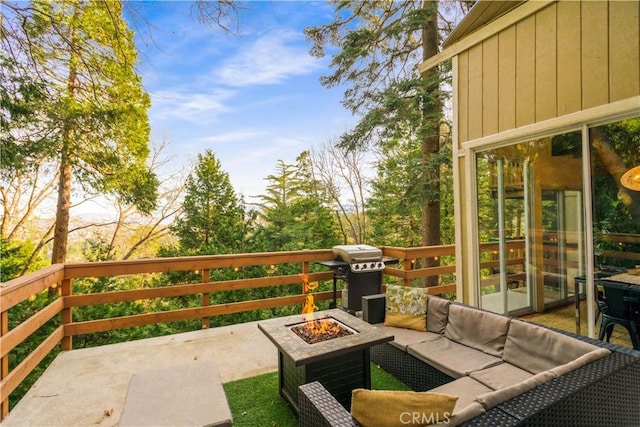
(431, 143)
(61, 231)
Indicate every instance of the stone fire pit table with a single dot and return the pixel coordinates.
(339, 364)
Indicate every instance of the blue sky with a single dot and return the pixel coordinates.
(253, 99)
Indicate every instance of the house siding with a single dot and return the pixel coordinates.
(567, 57)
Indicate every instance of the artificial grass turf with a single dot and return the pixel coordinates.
(255, 401)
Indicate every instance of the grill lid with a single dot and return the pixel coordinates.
(357, 253)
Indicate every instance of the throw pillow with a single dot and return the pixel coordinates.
(387, 408)
(406, 307)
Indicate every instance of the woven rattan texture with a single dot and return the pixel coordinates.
(339, 375)
(607, 389)
(319, 409)
(418, 375)
(290, 378)
(493, 418)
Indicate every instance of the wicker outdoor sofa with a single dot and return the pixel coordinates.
(527, 374)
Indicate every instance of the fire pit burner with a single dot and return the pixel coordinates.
(319, 330)
(340, 365)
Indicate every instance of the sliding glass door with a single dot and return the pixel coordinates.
(530, 223)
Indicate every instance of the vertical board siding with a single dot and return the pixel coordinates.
(624, 49)
(507, 79)
(463, 98)
(567, 57)
(525, 71)
(545, 53)
(595, 55)
(569, 82)
(475, 92)
(490, 61)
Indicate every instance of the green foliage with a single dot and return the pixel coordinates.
(295, 210)
(394, 207)
(17, 315)
(15, 259)
(96, 107)
(615, 212)
(74, 99)
(212, 221)
(377, 46)
(611, 214)
(21, 98)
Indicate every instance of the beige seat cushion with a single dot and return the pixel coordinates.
(402, 337)
(479, 329)
(466, 388)
(501, 376)
(460, 416)
(455, 360)
(536, 349)
(494, 398)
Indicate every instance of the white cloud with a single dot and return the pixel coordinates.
(189, 106)
(270, 60)
(233, 136)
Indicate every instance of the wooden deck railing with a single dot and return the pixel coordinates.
(61, 277)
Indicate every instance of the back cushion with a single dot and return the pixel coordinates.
(479, 329)
(437, 313)
(536, 349)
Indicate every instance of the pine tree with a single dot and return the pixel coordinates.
(379, 45)
(294, 209)
(94, 123)
(212, 219)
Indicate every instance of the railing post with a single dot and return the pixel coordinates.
(67, 313)
(305, 270)
(408, 265)
(206, 297)
(4, 363)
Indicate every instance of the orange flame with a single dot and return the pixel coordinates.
(319, 326)
(309, 304)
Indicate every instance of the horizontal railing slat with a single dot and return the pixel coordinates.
(192, 289)
(620, 255)
(102, 325)
(18, 334)
(166, 265)
(430, 271)
(18, 290)
(20, 372)
(15, 291)
(442, 289)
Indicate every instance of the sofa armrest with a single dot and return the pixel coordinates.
(318, 408)
(373, 308)
(603, 392)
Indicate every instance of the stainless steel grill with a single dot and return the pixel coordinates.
(360, 266)
(361, 258)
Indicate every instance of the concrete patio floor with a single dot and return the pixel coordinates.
(87, 387)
